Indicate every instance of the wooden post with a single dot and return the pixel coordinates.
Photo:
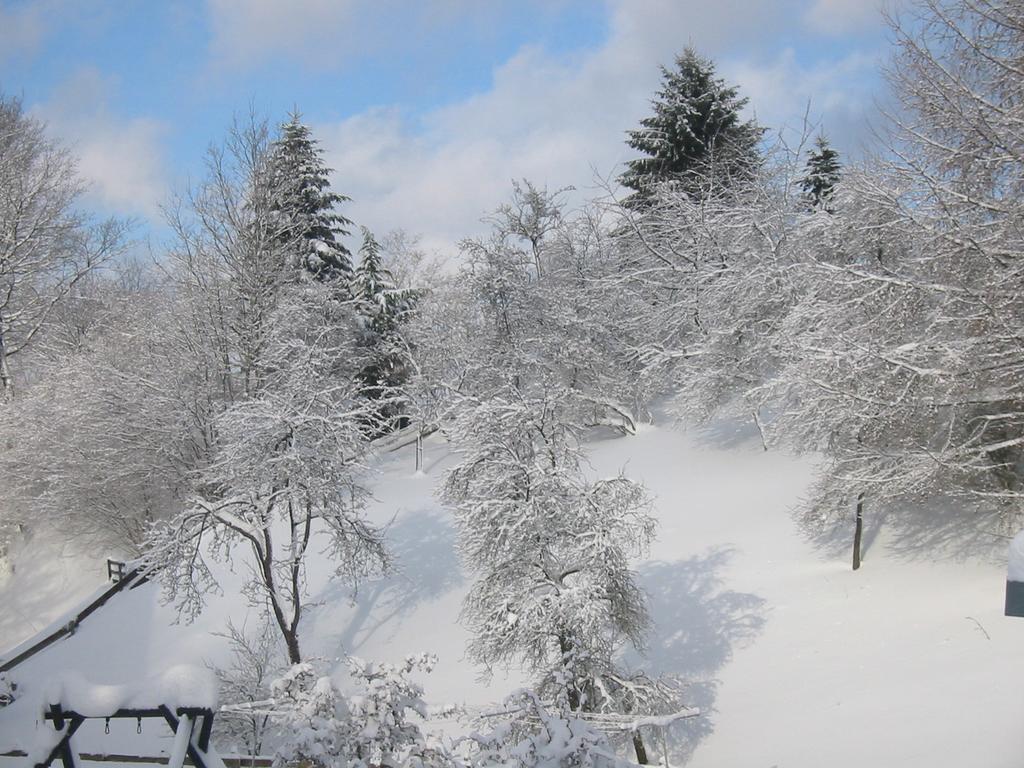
(638, 747)
(419, 449)
(63, 747)
(858, 532)
(179, 747)
(204, 732)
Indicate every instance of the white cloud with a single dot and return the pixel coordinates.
(22, 29)
(120, 159)
(841, 17)
(553, 119)
(837, 96)
(315, 31)
(323, 34)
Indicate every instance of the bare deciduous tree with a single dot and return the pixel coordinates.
(46, 244)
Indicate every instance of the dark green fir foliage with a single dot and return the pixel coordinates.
(823, 174)
(305, 196)
(383, 308)
(696, 140)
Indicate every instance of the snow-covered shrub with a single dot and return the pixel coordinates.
(7, 689)
(373, 724)
(312, 725)
(533, 735)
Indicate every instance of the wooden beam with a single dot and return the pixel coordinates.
(63, 747)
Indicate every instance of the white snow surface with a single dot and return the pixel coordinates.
(794, 660)
(1015, 564)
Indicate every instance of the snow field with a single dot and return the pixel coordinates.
(794, 659)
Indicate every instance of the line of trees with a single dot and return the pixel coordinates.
(867, 312)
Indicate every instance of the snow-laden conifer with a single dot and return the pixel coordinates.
(307, 204)
(822, 175)
(697, 139)
(383, 309)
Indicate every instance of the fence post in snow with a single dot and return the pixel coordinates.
(1015, 577)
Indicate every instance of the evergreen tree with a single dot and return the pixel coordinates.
(696, 138)
(383, 308)
(306, 197)
(823, 174)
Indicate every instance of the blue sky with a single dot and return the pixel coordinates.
(426, 108)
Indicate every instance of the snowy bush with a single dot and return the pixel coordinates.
(532, 735)
(7, 689)
(374, 724)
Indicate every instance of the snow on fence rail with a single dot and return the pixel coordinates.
(230, 761)
(133, 578)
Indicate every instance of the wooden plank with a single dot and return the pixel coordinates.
(205, 732)
(63, 747)
(129, 714)
(192, 752)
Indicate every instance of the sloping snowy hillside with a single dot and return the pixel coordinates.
(795, 660)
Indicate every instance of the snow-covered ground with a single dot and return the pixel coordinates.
(795, 660)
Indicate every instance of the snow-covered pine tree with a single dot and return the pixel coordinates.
(822, 175)
(696, 140)
(306, 200)
(383, 308)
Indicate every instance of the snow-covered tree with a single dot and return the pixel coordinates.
(47, 245)
(697, 139)
(823, 173)
(308, 205)
(383, 310)
(908, 372)
(285, 437)
(231, 260)
(549, 549)
(540, 297)
(104, 442)
(286, 464)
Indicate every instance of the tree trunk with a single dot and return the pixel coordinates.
(419, 450)
(858, 532)
(572, 693)
(638, 745)
(760, 428)
(6, 383)
(292, 641)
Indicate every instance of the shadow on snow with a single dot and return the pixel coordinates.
(695, 625)
(422, 543)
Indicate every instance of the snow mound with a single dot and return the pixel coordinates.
(182, 685)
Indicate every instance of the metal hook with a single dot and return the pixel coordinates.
(106, 726)
(138, 728)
